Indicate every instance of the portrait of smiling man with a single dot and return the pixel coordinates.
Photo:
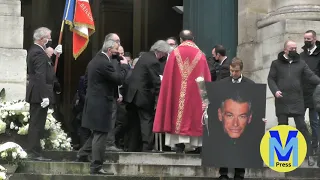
(235, 124)
(235, 114)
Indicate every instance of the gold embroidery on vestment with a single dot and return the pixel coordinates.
(185, 70)
(189, 43)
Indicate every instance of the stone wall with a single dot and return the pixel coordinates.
(12, 56)
(264, 26)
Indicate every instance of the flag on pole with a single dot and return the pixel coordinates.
(78, 15)
(69, 13)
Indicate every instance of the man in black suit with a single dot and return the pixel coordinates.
(142, 94)
(41, 78)
(222, 63)
(103, 78)
(111, 146)
(235, 76)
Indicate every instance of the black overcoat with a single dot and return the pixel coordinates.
(286, 76)
(102, 79)
(313, 61)
(40, 75)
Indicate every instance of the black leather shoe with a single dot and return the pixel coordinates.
(224, 177)
(101, 172)
(238, 178)
(113, 149)
(180, 148)
(311, 161)
(82, 159)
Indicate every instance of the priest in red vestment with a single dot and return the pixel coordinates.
(179, 108)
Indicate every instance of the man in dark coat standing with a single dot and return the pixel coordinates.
(311, 55)
(111, 146)
(142, 94)
(285, 82)
(103, 78)
(236, 76)
(41, 78)
(222, 63)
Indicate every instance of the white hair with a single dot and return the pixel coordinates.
(108, 44)
(41, 33)
(109, 36)
(160, 46)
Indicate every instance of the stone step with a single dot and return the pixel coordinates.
(132, 158)
(57, 168)
(96, 177)
(21, 176)
(167, 158)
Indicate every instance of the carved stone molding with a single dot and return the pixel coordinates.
(293, 9)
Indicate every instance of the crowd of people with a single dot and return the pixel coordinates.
(122, 103)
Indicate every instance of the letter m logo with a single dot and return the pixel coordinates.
(283, 152)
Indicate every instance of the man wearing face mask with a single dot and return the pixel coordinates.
(285, 82)
(116, 57)
(141, 96)
(311, 55)
(41, 78)
(222, 63)
(172, 41)
(103, 79)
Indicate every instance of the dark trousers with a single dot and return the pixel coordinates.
(238, 172)
(38, 116)
(95, 145)
(300, 125)
(314, 123)
(140, 124)
(85, 134)
(112, 133)
(121, 126)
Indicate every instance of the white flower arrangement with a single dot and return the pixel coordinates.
(15, 116)
(205, 100)
(12, 153)
(3, 173)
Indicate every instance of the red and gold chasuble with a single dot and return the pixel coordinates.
(179, 108)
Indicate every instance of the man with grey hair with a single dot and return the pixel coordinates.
(111, 146)
(41, 78)
(142, 94)
(103, 79)
(112, 36)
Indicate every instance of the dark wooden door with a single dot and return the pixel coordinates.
(213, 22)
(153, 20)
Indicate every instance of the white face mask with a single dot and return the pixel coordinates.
(172, 48)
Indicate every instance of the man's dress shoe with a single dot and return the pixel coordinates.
(101, 172)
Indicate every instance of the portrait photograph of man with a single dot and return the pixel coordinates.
(235, 114)
(235, 125)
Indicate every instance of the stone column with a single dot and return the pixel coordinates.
(265, 34)
(12, 56)
(291, 9)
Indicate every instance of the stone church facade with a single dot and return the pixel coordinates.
(263, 27)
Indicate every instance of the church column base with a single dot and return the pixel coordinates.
(13, 67)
